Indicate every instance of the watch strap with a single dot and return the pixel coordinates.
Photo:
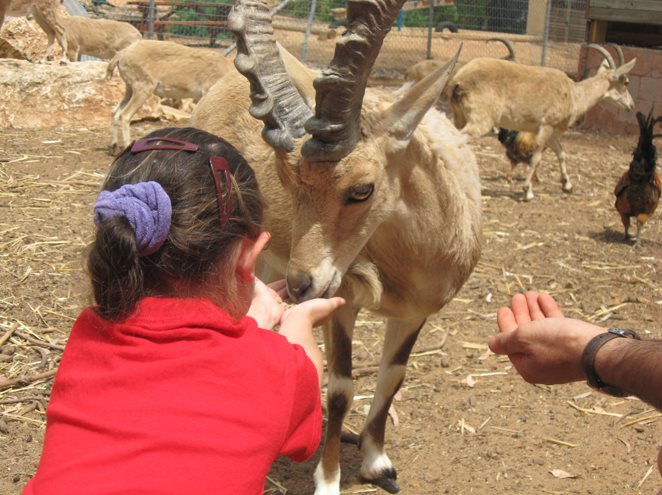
(590, 352)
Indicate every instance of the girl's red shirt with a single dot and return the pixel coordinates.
(177, 399)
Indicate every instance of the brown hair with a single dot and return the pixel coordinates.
(196, 240)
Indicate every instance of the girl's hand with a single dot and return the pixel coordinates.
(267, 306)
(314, 312)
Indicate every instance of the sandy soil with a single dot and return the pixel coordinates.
(466, 423)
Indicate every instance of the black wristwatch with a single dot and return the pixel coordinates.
(588, 359)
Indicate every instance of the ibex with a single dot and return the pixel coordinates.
(100, 38)
(381, 204)
(163, 68)
(421, 69)
(488, 93)
(45, 12)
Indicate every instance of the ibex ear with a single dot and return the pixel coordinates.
(624, 69)
(402, 118)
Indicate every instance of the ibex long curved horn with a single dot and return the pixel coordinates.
(336, 127)
(604, 53)
(275, 99)
(509, 46)
(619, 53)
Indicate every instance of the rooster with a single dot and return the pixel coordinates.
(520, 146)
(638, 190)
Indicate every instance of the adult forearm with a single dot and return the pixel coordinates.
(633, 365)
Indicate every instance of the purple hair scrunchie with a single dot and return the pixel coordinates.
(145, 205)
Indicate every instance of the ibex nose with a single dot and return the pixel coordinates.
(299, 284)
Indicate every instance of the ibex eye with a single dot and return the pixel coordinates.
(359, 193)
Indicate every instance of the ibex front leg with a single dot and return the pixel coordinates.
(340, 393)
(398, 343)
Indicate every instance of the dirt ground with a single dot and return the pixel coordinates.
(466, 423)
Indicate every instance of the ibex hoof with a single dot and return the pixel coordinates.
(567, 187)
(386, 481)
(528, 194)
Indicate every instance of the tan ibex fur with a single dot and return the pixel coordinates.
(100, 38)
(487, 93)
(47, 15)
(419, 70)
(393, 226)
(163, 68)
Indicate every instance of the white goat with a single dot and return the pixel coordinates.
(101, 38)
(381, 205)
(488, 93)
(46, 13)
(166, 69)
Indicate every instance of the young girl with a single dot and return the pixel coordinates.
(166, 386)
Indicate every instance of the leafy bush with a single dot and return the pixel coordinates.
(420, 17)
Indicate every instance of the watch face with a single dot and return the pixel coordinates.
(619, 331)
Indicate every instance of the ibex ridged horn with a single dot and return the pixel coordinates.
(275, 99)
(336, 126)
(509, 46)
(604, 53)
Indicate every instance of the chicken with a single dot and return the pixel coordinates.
(638, 190)
(520, 146)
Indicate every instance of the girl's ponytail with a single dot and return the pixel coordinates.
(115, 269)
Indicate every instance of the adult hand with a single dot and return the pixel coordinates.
(268, 306)
(543, 345)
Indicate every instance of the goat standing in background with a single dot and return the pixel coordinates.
(100, 38)
(487, 93)
(163, 68)
(421, 69)
(381, 205)
(46, 13)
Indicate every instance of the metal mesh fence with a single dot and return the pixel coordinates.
(547, 32)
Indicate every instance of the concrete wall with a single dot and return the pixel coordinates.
(535, 23)
(645, 88)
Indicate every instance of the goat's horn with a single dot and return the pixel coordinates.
(509, 46)
(275, 99)
(619, 53)
(336, 126)
(604, 53)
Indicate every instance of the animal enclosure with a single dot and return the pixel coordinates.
(465, 421)
(544, 31)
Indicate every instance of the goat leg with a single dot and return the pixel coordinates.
(338, 345)
(398, 343)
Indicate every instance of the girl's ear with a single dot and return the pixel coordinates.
(250, 250)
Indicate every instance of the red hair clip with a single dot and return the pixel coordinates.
(171, 144)
(219, 165)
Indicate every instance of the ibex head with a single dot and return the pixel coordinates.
(618, 93)
(345, 178)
